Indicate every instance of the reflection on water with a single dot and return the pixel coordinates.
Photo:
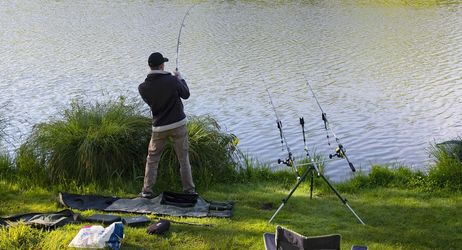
(388, 75)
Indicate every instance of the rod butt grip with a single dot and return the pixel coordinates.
(352, 167)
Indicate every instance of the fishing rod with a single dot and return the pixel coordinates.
(340, 151)
(290, 161)
(179, 36)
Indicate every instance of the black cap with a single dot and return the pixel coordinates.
(156, 59)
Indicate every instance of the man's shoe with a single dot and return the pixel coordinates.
(146, 195)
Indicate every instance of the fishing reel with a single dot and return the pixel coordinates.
(288, 162)
(339, 152)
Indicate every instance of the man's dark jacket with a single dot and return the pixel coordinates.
(162, 92)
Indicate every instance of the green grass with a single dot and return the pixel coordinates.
(396, 218)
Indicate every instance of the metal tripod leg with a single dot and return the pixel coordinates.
(284, 201)
(307, 171)
(344, 201)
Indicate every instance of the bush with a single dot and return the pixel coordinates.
(383, 176)
(447, 171)
(105, 144)
(6, 162)
(92, 143)
(251, 170)
(398, 177)
(6, 166)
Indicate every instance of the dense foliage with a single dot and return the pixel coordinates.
(106, 144)
(447, 171)
(5, 160)
(444, 174)
(90, 143)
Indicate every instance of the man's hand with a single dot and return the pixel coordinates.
(177, 74)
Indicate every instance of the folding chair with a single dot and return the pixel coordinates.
(285, 239)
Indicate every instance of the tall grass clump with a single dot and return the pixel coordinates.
(252, 170)
(2, 129)
(91, 143)
(388, 177)
(6, 162)
(212, 155)
(6, 166)
(447, 171)
(106, 143)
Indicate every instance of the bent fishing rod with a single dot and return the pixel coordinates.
(340, 151)
(290, 161)
(179, 36)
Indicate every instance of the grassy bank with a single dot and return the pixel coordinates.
(396, 218)
(100, 148)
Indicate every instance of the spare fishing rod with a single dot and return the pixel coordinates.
(289, 161)
(179, 36)
(340, 151)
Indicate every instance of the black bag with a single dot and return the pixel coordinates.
(136, 221)
(179, 199)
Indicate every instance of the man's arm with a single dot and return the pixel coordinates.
(183, 89)
(143, 96)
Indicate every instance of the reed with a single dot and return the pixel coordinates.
(5, 159)
(91, 143)
(383, 176)
(105, 144)
(6, 166)
(447, 171)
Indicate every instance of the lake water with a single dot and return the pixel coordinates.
(388, 76)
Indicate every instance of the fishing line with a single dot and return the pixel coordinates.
(179, 36)
(340, 151)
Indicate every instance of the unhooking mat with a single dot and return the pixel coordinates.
(201, 208)
(42, 220)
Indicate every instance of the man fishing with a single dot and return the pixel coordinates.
(163, 92)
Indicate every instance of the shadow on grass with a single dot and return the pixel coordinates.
(397, 218)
